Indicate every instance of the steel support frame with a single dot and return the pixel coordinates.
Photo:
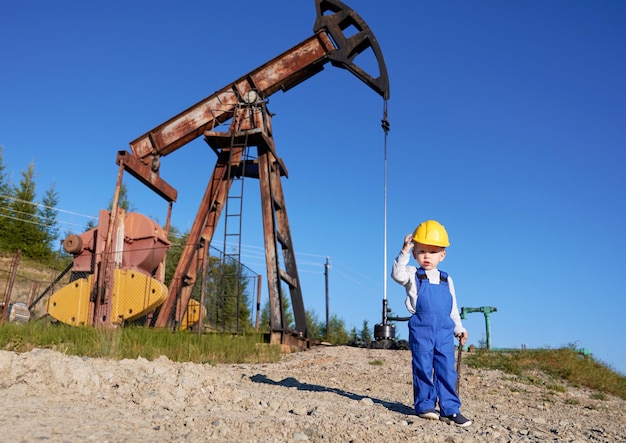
(198, 240)
(277, 234)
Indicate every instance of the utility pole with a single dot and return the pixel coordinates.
(326, 268)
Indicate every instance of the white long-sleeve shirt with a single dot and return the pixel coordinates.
(404, 273)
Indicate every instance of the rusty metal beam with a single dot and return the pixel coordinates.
(147, 176)
(282, 236)
(329, 44)
(277, 316)
(282, 72)
(277, 233)
(9, 288)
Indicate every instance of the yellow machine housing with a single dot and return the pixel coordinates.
(131, 272)
(134, 296)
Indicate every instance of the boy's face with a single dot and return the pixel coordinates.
(427, 256)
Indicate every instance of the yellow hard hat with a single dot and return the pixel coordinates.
(431, 232)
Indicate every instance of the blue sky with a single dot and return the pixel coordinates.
(507, 125)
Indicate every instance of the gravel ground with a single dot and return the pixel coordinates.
(326, 394)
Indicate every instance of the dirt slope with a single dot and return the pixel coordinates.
(327, 394)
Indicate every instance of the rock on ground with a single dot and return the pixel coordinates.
(326, 394)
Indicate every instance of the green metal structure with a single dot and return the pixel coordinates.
(486, 310)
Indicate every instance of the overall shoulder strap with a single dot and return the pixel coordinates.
(443, 277)
(420, 277)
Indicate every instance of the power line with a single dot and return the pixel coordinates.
(39, 222)
(49, 207)
(251, 251)
(33, 222)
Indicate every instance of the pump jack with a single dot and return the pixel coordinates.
(244, 103)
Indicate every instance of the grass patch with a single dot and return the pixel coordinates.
(555, 387)
(376, 362)
(563, 364)
(137, 341)
(598, 396)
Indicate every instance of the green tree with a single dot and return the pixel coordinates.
(48, 216)
(227, 300)
(6, 193)
(24, 228)
(338, 335)
(226, 296)
(354, 333)
(177, 241)
(123, 202)
(264, 322)
(90, 225)
(315, 326)
(289, 318)
(365, 334)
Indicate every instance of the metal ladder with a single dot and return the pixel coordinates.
(229, 295)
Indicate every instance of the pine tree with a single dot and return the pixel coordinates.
(226, 295)
(228, 298)
(123, 201)
(6, 193)
(315, 327)
(366, 334)
(24, 229)
(288, 312)
(338, 333)
(48, 216)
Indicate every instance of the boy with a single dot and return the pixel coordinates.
(434, 323)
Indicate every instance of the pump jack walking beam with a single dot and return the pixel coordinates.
(328, 44)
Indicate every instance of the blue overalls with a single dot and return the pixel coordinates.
(431, 338)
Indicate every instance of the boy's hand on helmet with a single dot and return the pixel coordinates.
(408, 243)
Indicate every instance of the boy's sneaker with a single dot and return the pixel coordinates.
(457, 419)
(429, 414)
